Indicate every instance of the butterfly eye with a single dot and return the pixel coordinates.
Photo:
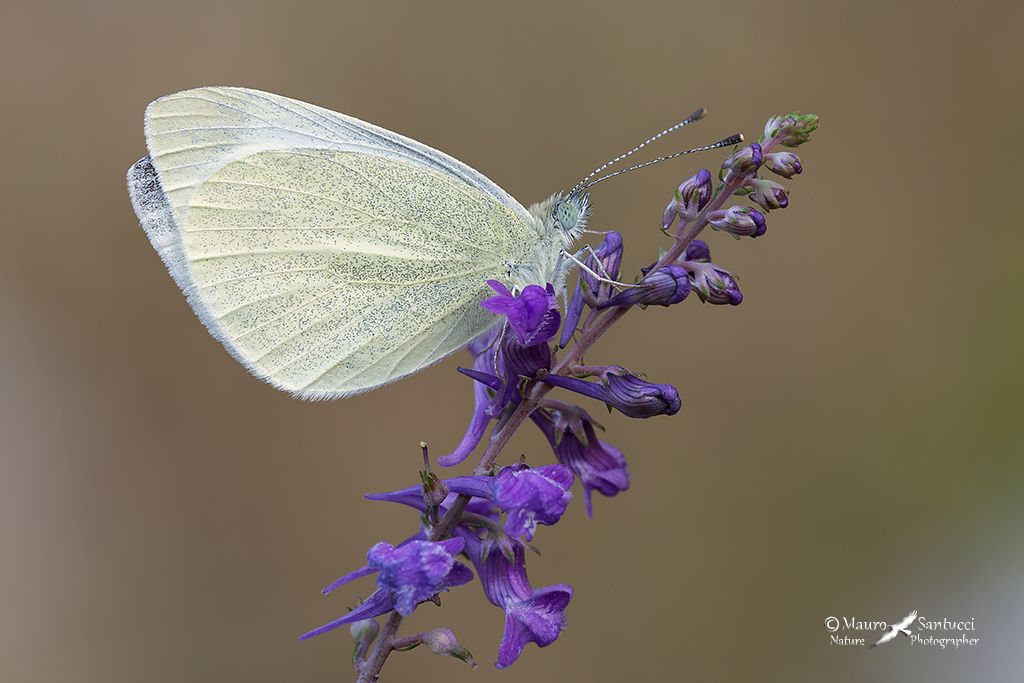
(565, 215)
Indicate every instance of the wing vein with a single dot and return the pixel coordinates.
(259, 275)
(291, 310)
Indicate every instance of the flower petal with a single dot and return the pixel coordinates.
(539, 619)
(377, 604)
(365, 570)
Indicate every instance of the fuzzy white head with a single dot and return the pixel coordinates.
(559, 221)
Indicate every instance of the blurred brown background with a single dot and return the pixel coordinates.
(850, 442)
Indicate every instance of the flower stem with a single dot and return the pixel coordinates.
(369, 672)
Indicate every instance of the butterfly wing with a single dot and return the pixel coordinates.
(192, 133)
(325, 270)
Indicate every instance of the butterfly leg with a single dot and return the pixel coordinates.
(605, 278)
(497, 346)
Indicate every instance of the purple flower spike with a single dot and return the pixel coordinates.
(713, 284)
(533, 314)
(665, 287)
(767, 194)
(600, 466)
(738, 221)
(531, 616)
(785, 164)
(624, 391)
(742, 163)
(529, 496)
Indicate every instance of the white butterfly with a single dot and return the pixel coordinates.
(328, 255)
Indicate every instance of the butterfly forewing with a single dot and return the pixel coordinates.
(326, 270)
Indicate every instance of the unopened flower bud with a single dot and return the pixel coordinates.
(791, 130)
(697, 250)
(441, 641)
(713, 284)
(624, 391)
(739, 221)
(742, 163)
(364, 632)
(785, 164)
(668, 217)
(605, 259)
(767, 194)
(665, 287)
(692, 195)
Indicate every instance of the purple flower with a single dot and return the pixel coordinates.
(785, 164)
(738, 221)
(620, 389)
(742, 163)
(607, 258)
(529, 496)
(407, 575)
(531, 615)
(664, 287)
(532, 314)
(767, 194)
(497, 390)
(483, 364)
(411, 497)
(600, 466)
(713, 284)
(416, 571)
(516, 361)
(697, 250)
(691, 196)
(573, 314)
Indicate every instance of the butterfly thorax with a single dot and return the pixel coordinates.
(558, 222)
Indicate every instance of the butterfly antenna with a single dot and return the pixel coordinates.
(695, 116)
(731, 140)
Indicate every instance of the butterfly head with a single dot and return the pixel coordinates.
(569, 215)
